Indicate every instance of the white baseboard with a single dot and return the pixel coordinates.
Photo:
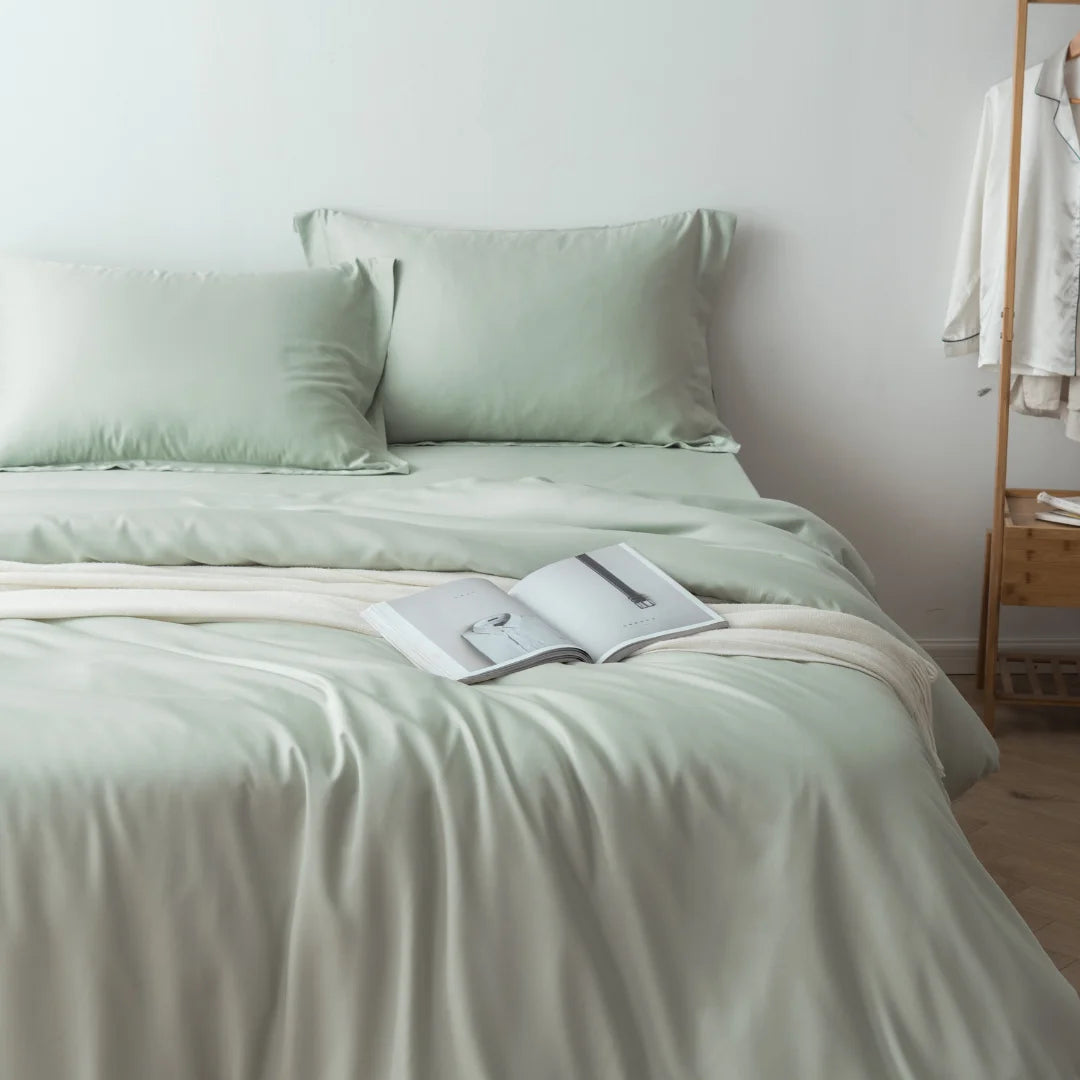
(958, 656)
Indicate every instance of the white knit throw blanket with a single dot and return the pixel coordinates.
(336, 598)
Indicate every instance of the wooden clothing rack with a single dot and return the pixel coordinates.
(1028, 562)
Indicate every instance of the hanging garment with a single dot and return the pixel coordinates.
(1048, 254)
(1054, 396)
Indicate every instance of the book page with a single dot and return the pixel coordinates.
(468, 630)
(613, 599)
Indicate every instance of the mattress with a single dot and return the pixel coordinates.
(644, 469)
(241, 849)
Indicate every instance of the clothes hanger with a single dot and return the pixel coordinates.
(1073, 53)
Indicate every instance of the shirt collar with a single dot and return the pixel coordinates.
(1051, 85)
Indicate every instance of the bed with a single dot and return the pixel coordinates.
(243, 838)
(253, 849)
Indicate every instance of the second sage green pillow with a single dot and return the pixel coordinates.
(107, 368)
(580, 335)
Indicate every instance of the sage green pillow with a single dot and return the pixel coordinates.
(107, 368)
(581, 335)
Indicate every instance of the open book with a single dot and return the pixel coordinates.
(596, 608)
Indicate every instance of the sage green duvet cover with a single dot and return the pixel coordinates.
(255, 850)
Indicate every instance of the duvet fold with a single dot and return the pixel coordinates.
(337, 599)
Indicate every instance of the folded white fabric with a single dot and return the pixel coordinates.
(809, 635)
(1053, 396)
(337, 598)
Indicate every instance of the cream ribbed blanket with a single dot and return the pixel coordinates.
(337, 598)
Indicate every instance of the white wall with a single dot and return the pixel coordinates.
(841, 131)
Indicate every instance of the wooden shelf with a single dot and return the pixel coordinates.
(1021, 505)
(1041, 559)
(1033, 679)
(1040, 567)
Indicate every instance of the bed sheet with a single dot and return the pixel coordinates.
(646, 469)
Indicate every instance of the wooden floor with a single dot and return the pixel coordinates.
(1024, 823)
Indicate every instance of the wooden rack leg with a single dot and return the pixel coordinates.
(993, 626)
(980, 670)
(997, 540)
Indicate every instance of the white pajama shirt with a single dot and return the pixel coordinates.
(1048, 255)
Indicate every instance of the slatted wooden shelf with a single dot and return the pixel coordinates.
(1030, 679)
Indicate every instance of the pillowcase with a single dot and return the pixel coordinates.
(580, 335)
(107, 368)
